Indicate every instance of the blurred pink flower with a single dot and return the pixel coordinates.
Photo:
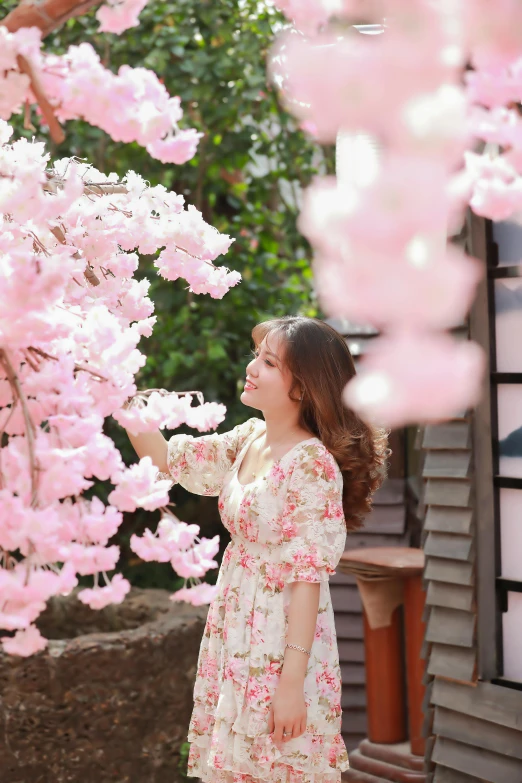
(25, 642)
(320, 79)
(413, 288)
(406, 378)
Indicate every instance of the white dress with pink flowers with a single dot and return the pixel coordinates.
(287, 526)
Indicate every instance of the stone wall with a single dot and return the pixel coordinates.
(110, 698)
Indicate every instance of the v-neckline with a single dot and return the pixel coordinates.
(276, 462)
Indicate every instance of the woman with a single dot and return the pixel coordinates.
(267, 696)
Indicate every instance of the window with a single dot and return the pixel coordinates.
(504, 299)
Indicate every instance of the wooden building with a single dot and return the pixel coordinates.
(472, 538)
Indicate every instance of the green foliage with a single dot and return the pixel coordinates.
(213, 55)
(183, 760)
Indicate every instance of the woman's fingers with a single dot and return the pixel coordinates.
(282, 732)
(292, 732)
(271, 720)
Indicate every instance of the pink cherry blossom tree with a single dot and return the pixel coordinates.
(72, 314)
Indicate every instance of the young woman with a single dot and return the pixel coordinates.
(267, 696)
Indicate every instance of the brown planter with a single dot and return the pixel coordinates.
(110, 698)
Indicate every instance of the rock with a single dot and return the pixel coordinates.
(110, 699)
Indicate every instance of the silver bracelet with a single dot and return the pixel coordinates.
(297, 647)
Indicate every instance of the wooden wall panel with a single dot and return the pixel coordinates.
(450, 596)
(455, 663)
(452, 435)
(486, 701)
(480, 733)
(445, 519)
(450, 571)
(473, 728)
(451, 627)
(491, 767)
(446, 775)
(449, 546)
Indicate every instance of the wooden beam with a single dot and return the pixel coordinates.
(449, 546)
(483, 497)
(449, 519)
(452, 663)
(353, 697)
(450, 596)
(350, 651)
(349, 626)
(454, 572)
(486, 701)
(451, 626)
(353, 673)
(450, 464)
(447, 492)
(445, 775)
(476, 761)
(354, 722)
(452, 435)
(480, 733)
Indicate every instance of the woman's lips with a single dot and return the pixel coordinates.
(249, 387)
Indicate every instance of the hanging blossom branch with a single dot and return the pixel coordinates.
(76, 85)
(379, 229)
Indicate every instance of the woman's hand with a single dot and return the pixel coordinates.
(287, 712)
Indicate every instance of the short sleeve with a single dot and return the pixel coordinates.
(314, 527)
(200, 464)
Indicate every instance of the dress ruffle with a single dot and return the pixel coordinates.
(218, 754)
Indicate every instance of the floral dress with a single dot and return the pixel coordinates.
(287, 526)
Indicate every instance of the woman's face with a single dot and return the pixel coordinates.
(270, 376)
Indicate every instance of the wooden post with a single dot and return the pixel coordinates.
(385, 681)
(414, 629)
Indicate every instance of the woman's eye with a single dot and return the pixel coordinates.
(256, 354)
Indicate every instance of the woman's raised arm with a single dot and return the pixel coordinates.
(153, 445)
(200, 464)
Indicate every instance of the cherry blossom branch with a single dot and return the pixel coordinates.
(77, 367)
(55, 129)
(142, 395)
(47, 15)
(88, 272)
(6, 422)
(30, 429)
(55, 182)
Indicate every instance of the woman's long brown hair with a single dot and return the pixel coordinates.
(321, 364)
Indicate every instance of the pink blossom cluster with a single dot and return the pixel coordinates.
(495, 175)
(406, 116)
(131, 105)
(72, 314)
(116, 16)
(191, 557)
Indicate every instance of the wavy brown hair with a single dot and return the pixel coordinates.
(321, 364)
